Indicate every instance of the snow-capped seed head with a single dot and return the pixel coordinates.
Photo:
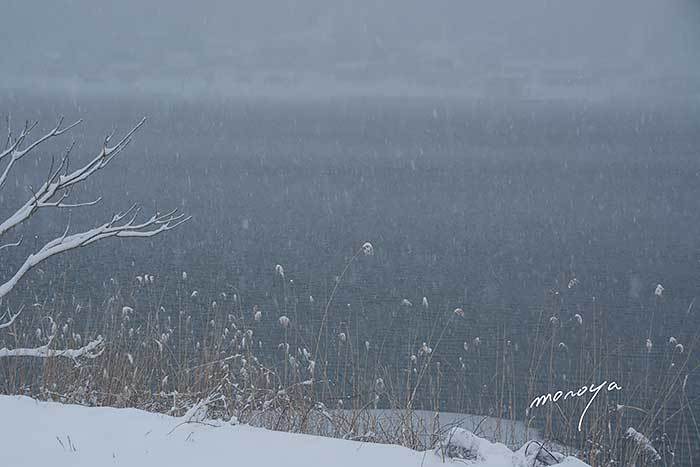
(405, 302)
(184, 276)
(672, 340)
(425, 302)
(284, 321)
(679, 348)
(659, 290)
(194, 294)
(367, 345)
(563, 346)
(311, 298)
(258, 315)
(279, 270)
(38, 333)
(139, 279)
(466, 346)
(477, 341)
(414, 359)
(127, 310)
(424, 349)
(379, 385)
(649, 345)
(578, 318)
(342, 337)
(214, 304)
(573, 283)
(367, 249)
(459, 312)
(554, 320)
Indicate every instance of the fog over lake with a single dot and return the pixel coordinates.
(528, 175)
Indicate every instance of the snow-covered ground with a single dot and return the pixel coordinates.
(42, 433)
(426, 425)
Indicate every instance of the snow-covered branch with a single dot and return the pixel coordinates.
(58, 182)
(117, 227)
(11, 319)
(10, 245)
(14, 150)
(53, 193)
(92, 349)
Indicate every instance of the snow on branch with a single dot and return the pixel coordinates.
(54, 190)
(10, 245)
(117, 227)
(92, 349)
(13, 146)
(12, 318)
(52, 193)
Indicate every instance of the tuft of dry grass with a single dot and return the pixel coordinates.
(309, 366)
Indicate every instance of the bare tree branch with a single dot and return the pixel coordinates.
(115, 228)
(92, 349)
(53, 194)
(10, 245)
(58, 183)
(16, 153)
(12, 319)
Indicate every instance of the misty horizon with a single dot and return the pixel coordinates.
(504, 49)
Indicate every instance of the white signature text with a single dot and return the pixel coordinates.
(594, 390)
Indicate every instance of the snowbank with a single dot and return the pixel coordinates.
(43, 433)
